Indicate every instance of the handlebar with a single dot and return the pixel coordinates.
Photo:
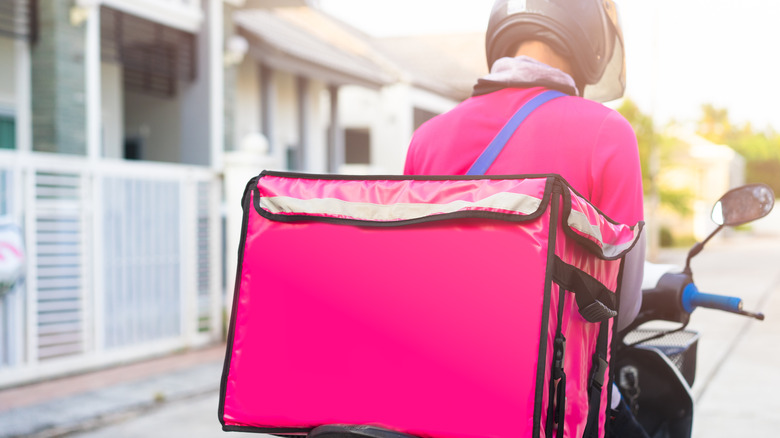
(692, 298)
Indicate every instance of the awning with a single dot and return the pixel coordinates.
(282, 45)
(155, 57)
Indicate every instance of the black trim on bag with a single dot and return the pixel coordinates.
(557, 393)
(287, 431)
(609, 219)
(475, 214)
(337, 177)
(613, 343)
(567, 204)
(470, 214)
(619, 294)
(588, 244)
(598, 373)
(236, 288)
(544, 329)
(595, 301)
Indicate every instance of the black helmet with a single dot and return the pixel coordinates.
(586, 32)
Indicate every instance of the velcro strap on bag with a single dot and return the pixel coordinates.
(595, 301)
(596, 383)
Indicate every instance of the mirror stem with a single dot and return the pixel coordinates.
(697, 249)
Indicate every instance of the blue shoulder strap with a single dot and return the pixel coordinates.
(495, 147)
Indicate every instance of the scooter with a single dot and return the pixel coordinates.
(653, 369)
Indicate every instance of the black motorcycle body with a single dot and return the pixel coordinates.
(655, 369)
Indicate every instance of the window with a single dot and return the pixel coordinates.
(293, 158)
(357, 146)
(421, 116)
(7, 132)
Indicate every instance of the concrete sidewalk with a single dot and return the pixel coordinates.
(87, 401)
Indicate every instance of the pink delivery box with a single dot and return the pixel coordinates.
(436, 306)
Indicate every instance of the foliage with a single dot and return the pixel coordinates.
(645, 135)
(650, 141)
(667, 239)
(761, 149)
(678, 200)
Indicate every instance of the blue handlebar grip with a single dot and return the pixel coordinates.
(692, 298)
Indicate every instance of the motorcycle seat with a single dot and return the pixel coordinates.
(355, 431)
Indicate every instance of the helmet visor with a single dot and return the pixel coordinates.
(613, 82)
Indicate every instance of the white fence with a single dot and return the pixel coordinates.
(123, 261)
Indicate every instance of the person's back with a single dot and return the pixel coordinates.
(591, 146)
(573, 46)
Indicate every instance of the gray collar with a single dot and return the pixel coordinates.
(524, 72)
(525, 69)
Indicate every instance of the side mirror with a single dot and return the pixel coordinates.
(738, 206)
(743, 204)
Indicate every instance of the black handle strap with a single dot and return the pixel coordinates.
(596, 382)
(596, 303)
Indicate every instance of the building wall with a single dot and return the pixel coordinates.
(58, 81)
(395, 129)
(7, 75)
(317, 137)
(389, 115)
(195, 105)
(112, 110)
(193, 121)
(359, 110)
(286, 132)
(285, 118)
(431, 102)
(359, 106)
(230, 79)
(155, 121)
(247, 100)
(706, 171)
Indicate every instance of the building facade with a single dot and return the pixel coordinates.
(118, 119)
(109, 167)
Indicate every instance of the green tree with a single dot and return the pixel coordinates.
(714, 124)
(761, 149)
(649, 141)
(646, 138)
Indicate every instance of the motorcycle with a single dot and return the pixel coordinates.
(654, 369)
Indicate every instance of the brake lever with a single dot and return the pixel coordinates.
(757, 315)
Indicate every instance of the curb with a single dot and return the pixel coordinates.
(89, 410)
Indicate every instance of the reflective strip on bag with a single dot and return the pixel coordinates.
(612, 239)
(504, 202)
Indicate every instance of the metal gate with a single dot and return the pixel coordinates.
(123, 261)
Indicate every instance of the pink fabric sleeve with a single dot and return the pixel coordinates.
(409, 164)
(615, 162)
(619, 195)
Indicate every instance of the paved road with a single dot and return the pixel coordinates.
(737, 379)
(192, 418)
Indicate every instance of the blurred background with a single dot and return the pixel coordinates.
(128, 129)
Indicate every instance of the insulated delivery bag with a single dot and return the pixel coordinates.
(460, 306)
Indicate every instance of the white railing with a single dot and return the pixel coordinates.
(123, 261)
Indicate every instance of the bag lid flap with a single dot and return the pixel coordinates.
(392, 201)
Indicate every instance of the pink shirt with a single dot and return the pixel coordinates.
(593, 147)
